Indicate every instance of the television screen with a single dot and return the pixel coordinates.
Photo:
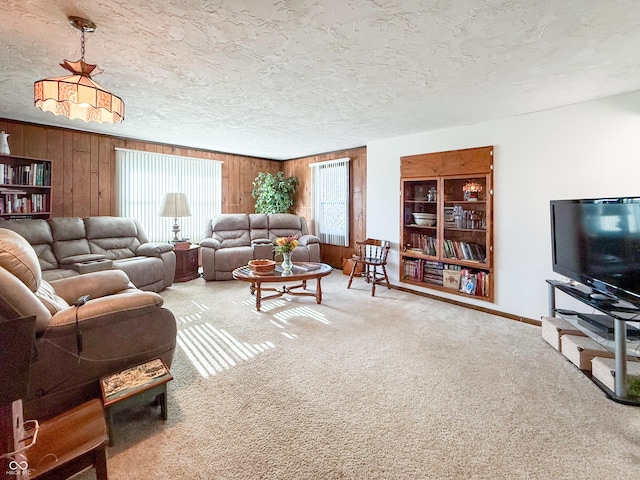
(597, 243)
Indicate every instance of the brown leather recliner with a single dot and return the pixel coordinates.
(118, 327)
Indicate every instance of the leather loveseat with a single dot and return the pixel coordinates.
(68, 246)
(232, 239)
(118, 327)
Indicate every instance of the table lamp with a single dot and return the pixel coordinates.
(175, 205)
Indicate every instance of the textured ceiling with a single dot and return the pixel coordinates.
(291, 78)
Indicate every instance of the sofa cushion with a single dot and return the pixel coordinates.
(19, 259)
(67, 228)
(115, 248)
(142, 271)
(38, 233)
(114, 237)
(231, 230)
(229, 259)
(285, 225)
(104, 227)
(258, 225)
(69, 239)
(50, 299)
(17, 300)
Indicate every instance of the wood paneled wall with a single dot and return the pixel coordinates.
(299, 167)
(84, 167)
(84, 172)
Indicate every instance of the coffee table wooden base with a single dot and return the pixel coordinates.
(256, 281)
(257, 289)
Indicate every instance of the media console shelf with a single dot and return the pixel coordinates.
(621, 312)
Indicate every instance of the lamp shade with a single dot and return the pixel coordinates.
(175, 205)
(77, 96)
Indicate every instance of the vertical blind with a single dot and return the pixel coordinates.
(330, 201)
(144, 177)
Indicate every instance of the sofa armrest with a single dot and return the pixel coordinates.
(305, 240)
(153, 249)
(96, 285)
(117, 307)
(210, 243)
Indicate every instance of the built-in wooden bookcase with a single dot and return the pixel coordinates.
(25, 187)
(447, 221)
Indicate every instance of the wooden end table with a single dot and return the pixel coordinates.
(133, 386)
(69, 443)
(244, 274)
(187, 263)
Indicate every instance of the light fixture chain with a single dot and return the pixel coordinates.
(82, 45)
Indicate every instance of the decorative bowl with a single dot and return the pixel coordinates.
(428, 219)
(262, 266)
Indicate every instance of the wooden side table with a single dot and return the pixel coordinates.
(69, 443)
(187, 263)
(133, 386)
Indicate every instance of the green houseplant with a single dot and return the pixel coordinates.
(274, 193)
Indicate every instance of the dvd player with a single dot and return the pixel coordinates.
(599, 323)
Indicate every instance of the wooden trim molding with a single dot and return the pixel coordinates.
(491, 311)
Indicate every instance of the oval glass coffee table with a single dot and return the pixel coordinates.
(302, 273)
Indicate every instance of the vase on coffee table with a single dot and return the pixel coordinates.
(287, 264)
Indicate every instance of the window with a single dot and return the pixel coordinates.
(144, 177)
(330, 201)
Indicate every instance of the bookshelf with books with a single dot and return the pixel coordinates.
(446, 221)
(25, 187)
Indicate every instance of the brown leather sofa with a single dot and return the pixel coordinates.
(68, 246)
(118, 327)
(232, 239)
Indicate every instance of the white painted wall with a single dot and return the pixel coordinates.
(586, 150)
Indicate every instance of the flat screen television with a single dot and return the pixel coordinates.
(597, 243)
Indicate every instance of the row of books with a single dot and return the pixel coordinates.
(455, 277)
(422, 243)
(37, 174)
(419, 270)
(464, 251)
(19, 203)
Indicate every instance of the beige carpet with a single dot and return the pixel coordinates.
(392, 387)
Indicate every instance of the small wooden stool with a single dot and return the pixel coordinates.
(69, 443)
(134, 386)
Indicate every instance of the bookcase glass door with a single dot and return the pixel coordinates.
(420, 204)
(465, 219)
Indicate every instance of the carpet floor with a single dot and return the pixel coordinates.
(397, 386)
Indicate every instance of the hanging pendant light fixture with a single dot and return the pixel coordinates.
(77, 95)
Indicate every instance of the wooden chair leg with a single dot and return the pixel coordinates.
(384, 270)
(353, 271)
(101, 465)
(374, 280)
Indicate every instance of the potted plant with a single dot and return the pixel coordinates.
(273, 193)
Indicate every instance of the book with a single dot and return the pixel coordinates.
(307, 266)
(132, 378)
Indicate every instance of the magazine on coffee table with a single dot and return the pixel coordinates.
(306, 266)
